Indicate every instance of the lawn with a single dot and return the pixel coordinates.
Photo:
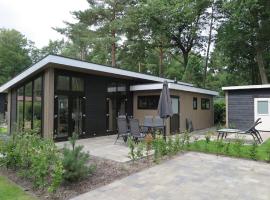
(260, 152)
(10, 191)
(3, 130)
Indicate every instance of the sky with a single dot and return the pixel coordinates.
(35, 18)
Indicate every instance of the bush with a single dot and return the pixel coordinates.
(219, 112)
(35, 158)
(75, 162)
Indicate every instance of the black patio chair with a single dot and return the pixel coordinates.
(135, 131)
(253, 131)
(159, 124)
(122, 130)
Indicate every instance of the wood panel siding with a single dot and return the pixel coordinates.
(48, 103)
(241, 106)
(200, 118)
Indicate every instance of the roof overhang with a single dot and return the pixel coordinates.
(173, 86)
(246, 87)
(73, 63)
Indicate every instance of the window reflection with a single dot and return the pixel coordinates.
(37, 112)
(20, 97)
(29, 105)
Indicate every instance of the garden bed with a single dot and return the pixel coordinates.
(106, 172)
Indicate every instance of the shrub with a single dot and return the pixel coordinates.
(219, 112)
(35, 158)
(75, 161)
(253, 151)
(268, 154)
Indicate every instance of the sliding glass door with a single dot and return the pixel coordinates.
(69, 111)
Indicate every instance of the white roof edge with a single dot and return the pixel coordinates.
(84, 65)
(158, 86)
(246, 87)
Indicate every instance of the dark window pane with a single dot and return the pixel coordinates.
(28, 106)
(20, 97)
(63, 83)
(77, 84)
(205, 104)
(195, 103)
(37, 112)
(148, 102)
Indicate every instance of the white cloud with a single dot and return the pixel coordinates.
(35, 18)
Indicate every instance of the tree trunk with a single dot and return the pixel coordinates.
(113, 43)
(208, 47)
(113, 50)
(161, 55)
(260, 62)
(185, 56)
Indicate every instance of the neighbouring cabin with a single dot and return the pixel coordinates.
(59, 96)
(245, 104)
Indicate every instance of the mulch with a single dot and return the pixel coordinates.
(106, 172)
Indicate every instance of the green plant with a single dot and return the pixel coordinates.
(139, 150)
(75, 162)
(131, 146)
(170, 147)
(196, 143)
(219, 146)
(158, 146)
(148, 142)
(177, 144)
(253, 151)
(35, 158)
(219, 112)
(227, 148)
(186, 139)
(268, 154)
(238, 143)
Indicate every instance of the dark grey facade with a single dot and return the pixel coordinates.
(241, 106)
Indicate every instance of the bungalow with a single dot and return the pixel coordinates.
(60, 95)
(245, 104)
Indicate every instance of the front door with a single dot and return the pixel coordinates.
(69, 116)
(116, 106)
(175, 119)
(262, 110)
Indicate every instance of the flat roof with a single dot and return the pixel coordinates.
(173, 86)
(70, 62)
(246, 87)
(78, 64)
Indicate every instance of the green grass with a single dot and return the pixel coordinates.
(232, 149)
(3, 130)
(10, 191)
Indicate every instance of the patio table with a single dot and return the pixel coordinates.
(225, 131)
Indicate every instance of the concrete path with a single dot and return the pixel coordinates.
(192, 176)
(103, 147)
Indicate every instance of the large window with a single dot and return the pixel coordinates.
(37, 103)
(29, 105)
(69, 83)
(20, 107)
(28, 109)
(205, 104)
(148, 102)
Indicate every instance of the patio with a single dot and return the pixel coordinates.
(192, 176)
(103, 147)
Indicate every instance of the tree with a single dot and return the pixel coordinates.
(103, 18)
(244, 37)
(14, 53)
